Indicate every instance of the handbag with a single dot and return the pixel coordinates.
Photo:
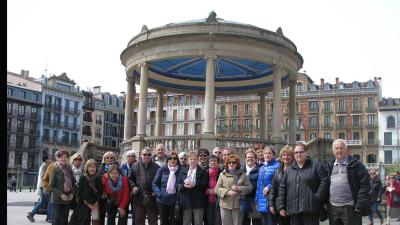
(177, 209)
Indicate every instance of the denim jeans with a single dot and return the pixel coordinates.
(49, 207)
(374, 209)
(44, 198)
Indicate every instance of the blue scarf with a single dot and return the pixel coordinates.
(114, 188)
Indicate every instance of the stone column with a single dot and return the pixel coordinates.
(276, 113)
(130, 92)
(159, 112)
(263, 124)
(209, 106)
(142, 111)
(292, 112)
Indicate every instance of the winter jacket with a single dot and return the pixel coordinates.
(302, 190)
(360, 184)
(56, 185)
(86, 193)
(264, 179)
(192, 197)
(160, 186)
(273, 193)
(121, 197)
(225, 181)
(248, 200)
(390, 195)
(376, 190)
(46, 178)
(208, 179)
(142, 176)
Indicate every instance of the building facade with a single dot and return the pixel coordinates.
(389, 130)
(62, 114)
(24, 112)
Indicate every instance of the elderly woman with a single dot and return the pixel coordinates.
(116, 188)
(375, 196)
(232, 185)
(213, 214)
(164, 189)
(286, 156)
(62, 187)
(108, 159)
(264, 182)
(392, 192)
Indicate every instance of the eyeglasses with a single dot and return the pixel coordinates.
(132, 156)
(146, 154)
(372, 173)
(78, 159)
(182, 158)
(232, 162)
(203, 155)
(173, 158)
(109, 158)
(217, 153)
(299, 152)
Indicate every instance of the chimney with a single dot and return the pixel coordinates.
(96, 89)
(25, 73)
(337, 80)
(322, 81)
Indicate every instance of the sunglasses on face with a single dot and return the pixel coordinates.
(232, 162)
(173, 158)
(146, 154)
(109, 157)
(78, 159)
(202, 155)
(182, 158)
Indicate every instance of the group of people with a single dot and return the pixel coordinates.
(199, 187)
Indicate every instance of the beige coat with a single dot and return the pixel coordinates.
(224, 184)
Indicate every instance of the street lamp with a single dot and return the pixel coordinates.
(18, 171)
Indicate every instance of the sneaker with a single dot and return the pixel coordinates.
(30, 217)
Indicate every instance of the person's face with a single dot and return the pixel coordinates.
(63, 159)
(232, 164)
(109, 159)
(193, 161)
(77, 161)
(217, 152)
(183, 160)
(226, 153)
(92, 169)
(212, 163)
(203, 158)
(131, 159)
(339, 151)
(113, 175)
(300, 155)
(172, 160)
(48, 161)
(250, 159)
(160, 151)
(286, 158)
(260, 154)
(146, 158)
(268, 155)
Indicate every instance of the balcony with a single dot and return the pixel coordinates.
(327, 111)
(372, 125)
(234, 128)
(391, 142)
(327, 125)
(356, 125)
(98, 135)
(52, 107)
(341, 110)
(221, 115)
(356, 109)
(341, 125)
(87, 119)
(354, 142)
(313, 110)
(99, 122)
(370, 109)
(314, 126)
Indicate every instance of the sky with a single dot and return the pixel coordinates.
(352, 40)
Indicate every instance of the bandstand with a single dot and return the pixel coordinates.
(210, 57)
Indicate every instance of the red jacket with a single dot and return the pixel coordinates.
(122, 196)
(389, 195)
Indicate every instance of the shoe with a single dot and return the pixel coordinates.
(382, 221)
(30, 217)
(49, 221)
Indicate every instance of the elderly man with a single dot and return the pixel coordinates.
(349, 188)
(141, 177)
(160, 158)
(203, 158)
(217, 151)
(126, 169)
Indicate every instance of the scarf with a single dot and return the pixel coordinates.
(117, 186)
(77, 173)
(67, 177)
(90, 179)
(192, 175)
(212, 181)
(171, 179)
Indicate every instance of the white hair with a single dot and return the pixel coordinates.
(130, 152)
(337, 141)
(182, 154)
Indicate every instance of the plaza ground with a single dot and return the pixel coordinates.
(20, 203)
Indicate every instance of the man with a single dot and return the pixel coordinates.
(14, 184)
(126, 169)
(203, 158)
(141, 177)
(217, 151)
(259, 148)
(45, 184)
(160, 158)
(39, 189)
(183, 159)
(349, 188)
(225, 153)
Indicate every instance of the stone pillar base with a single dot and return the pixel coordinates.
(208, 141)
(278, 143)
(138, 143)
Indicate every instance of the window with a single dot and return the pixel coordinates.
(327, 105)
(75, 107)
(33, 112)
(193, 100)
(342, 135)
(313, 136)
(313, 106)
(20, 126)
(35, 97)
(370, 102)
(22, 94)
(327, 121)
(234, 125)
(55, 135)
(299, 87)
(341, 105)
(390, 122)
(58, 102)
(371, 158)
(170, 100)
(74, 138)
(63, 86)
(66, 122)
(370, 119)
(328, 135)
(247, 109)
(246, 124)
(9, 92)
(21, 110)
(258, 123)
(32, 128)
(67, 105)
(32, 143)
(234, 110)
(313, 121)
(342, 121)
(19, 141)
(222, 110)
(387, 138)
(46, 134)
(181, 99)
(65, 137)
(371, 138)
(356, 120)
(9, 107)
(356, 104)
(356, 136)
(8, 124)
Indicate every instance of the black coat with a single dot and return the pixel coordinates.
(302, 190)
(142, 178)
(273, 192)
(376, 190)
(253, 176)
(360, 184)
(192, 197)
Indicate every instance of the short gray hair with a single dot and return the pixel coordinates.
(337, 141)
(182, 154)
(130, 152)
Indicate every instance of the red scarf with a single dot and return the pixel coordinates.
(212, 181)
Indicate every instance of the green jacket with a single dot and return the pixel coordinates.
(56, 185)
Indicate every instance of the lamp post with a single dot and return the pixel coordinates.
(18, 170)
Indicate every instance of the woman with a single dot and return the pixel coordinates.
(77, 169)
(182, 159)
(264, 181)
(392, 192)
(108, 159)
(375, 196)
(116, 188)
(212, 211)
(165, 190)
(232, 185)
(303, 188)
(89, 193)
(286, 156)
(62, 188)
(247, 206)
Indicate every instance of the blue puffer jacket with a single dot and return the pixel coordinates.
(159, 185)
(264, 179)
